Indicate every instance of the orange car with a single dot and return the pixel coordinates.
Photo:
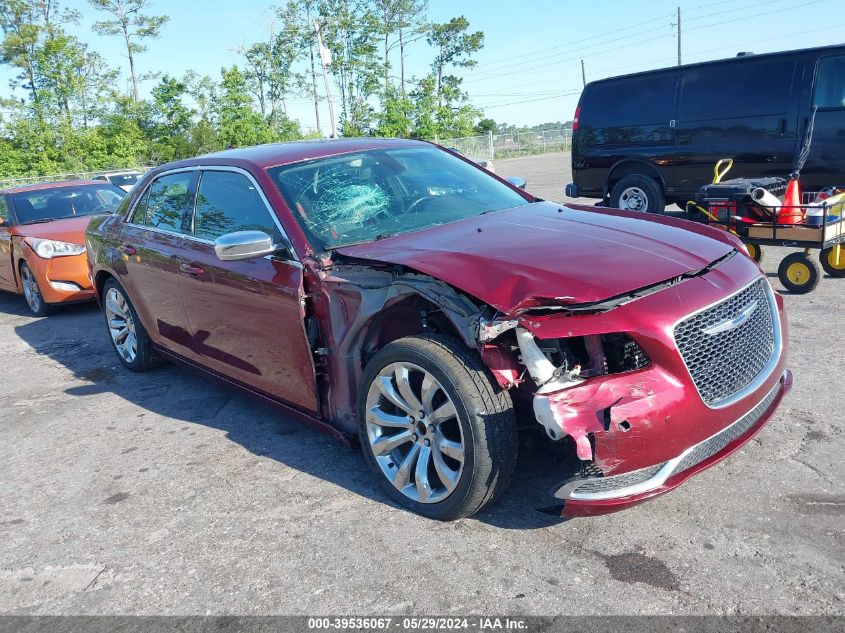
(42, 228)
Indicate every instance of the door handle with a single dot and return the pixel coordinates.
(191, 269)
(128, 249)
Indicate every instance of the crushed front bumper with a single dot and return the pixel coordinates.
(603, 495)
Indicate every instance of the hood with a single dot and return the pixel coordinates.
(544, 253)
(65, 230)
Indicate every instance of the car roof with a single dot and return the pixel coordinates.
(273, 154)
(38, 186)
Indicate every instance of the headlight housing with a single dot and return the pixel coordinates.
(48, 249)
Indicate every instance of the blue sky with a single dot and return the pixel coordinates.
(529, 70)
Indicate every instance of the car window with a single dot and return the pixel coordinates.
(363, 196)
(4, 210)
(163, 206)
(66, 201)
(643, 100)
(830, 83)
(123, 180)
(229, 202)
(724, 91)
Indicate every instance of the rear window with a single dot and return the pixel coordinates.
(644, 100)
(738, 90)
(124, 180)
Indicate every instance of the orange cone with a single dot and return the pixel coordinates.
(791, 211)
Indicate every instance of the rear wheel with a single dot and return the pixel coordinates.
(798, 273)
(435, 428)
(755, 252)
(833, 260)
(638, 193)
(128, 336)
(32, 293)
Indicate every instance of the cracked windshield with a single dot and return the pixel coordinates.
(375, 194)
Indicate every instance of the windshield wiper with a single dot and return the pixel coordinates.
(39, 221)
(383, 236)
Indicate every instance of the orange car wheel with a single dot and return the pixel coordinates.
(32, 293)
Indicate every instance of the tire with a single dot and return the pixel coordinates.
(638, 193)
(798, 273)
(118, 310)
(833, 266)
(32, 293)
(483, 426)
(756, 253)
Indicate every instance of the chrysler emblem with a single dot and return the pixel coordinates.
(733, 322)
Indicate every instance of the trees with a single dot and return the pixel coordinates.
(128, 21)
(66, 112)
(454, 48)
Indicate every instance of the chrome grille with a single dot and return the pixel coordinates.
(721, 363)
(726, 436)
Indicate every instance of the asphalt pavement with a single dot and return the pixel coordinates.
(163, 493)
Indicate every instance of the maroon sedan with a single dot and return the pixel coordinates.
(396, 291)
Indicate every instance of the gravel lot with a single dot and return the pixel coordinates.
(165, 494)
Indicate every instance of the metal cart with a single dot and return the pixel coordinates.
(798, 272)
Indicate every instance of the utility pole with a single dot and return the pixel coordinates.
(679, 36)
(583, 74)
(325, 62)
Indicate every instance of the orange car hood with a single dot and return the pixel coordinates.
(66, 230)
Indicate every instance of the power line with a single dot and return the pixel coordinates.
(529, 69)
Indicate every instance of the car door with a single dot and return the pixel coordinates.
(742, 110)
(151, 243)
(825, 165)
(246, 316)
(7, 273)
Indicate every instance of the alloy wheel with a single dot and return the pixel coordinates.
(121, 325)
(31, 291)
(633, 199)
(414, 432)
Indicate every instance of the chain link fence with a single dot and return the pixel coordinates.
(493, 146)
(5, 183)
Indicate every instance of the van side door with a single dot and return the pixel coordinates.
(740, 109)
(826, 163)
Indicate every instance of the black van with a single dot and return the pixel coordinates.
(646, 140)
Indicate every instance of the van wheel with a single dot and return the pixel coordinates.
(435, 428)
(638, 193)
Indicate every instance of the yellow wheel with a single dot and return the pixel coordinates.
(833, 260)
(755, 252)
(798, 273)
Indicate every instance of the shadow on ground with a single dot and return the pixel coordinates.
(77, 339)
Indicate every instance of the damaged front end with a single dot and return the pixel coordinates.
(613, 380)
(608, 377)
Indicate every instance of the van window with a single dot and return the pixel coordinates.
(644, 100)
(830, 83)
(736, 90)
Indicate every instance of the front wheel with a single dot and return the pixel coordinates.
(798, 273)
(435, 428)
(32, 293)
(638, 193)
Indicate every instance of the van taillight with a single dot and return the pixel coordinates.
(575, 119)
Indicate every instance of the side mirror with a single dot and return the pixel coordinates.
(243, 245)
(516, 181)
